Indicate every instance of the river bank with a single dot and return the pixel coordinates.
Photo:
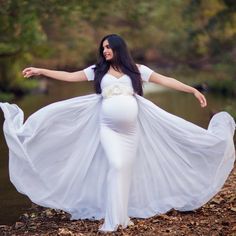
(217, 217)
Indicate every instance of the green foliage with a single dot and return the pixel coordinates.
(19, 28)
(60, 34)
(212, 27)
(5, 97)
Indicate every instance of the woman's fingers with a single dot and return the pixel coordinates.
(30, 71)
(26, 72)
(201, 98)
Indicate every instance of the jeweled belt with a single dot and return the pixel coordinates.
(116, 89)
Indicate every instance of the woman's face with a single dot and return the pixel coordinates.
(107, 51)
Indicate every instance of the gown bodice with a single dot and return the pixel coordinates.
(145, 73)
(109, 79)
(111, 85)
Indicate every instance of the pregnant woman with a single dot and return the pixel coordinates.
(114, 154)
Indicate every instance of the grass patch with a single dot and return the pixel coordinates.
(6, 97)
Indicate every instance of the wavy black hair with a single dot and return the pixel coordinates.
(121, 60)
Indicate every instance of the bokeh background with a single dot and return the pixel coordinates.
(190, 40)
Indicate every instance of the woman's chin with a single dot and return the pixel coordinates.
(108, 59)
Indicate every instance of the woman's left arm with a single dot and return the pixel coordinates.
(177, 85)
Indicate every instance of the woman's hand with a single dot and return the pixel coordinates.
(201, 98)
(31, 71)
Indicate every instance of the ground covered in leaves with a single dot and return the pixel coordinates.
(217, 217)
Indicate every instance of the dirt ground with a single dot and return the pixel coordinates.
(217, 217)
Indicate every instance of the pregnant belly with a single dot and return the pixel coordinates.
(119, 112)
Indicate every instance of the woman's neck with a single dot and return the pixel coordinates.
(115, 67)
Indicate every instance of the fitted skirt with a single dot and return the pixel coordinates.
(119, 139)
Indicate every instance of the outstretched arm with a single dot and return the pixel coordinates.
(177, 85)
(54, 74)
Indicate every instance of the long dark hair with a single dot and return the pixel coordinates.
(121, 60)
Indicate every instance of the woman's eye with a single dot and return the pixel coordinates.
(107, 47)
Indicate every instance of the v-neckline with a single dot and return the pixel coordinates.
(115, 76)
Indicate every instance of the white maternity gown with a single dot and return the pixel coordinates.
(116, 155)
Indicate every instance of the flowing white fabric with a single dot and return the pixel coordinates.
(116, 155)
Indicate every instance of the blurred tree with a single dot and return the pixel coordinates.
(19, 30)
(25, 29)
(212, 29)
(65, 35)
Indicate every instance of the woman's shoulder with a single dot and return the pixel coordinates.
(145, 71)
(89, 72)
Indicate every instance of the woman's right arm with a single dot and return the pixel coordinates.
(54, 74)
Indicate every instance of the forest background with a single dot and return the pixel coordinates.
(185, 35)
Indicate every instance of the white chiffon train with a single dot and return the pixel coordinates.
(107, 158)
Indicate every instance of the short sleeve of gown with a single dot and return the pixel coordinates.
(145, 72)
(89, 72)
